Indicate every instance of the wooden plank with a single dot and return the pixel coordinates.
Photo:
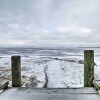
(4, 86)
(96, 84)
(84, 90)
(50, 94)
(88, 68)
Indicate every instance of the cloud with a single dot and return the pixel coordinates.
(49, 22)
(75, 29)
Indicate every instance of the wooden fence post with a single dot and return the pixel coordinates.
(16, 71)
(88, 68)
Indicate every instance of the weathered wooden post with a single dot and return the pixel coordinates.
(16, 71)
(88, 68)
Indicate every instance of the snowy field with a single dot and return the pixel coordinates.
(49, 68)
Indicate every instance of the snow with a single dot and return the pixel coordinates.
(61, 71)
(50, 94)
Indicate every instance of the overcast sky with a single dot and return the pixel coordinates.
(50, 22)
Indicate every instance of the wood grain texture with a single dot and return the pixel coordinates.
(96, 84)
(88, 68)
(16, 71)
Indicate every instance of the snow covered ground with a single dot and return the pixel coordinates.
(50, 68)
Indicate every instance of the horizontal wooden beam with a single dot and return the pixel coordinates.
(96, 84)
(4, 86)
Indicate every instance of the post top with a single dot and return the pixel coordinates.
(88, 50)
(16, 56)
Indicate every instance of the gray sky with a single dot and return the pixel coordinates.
(50, 22)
